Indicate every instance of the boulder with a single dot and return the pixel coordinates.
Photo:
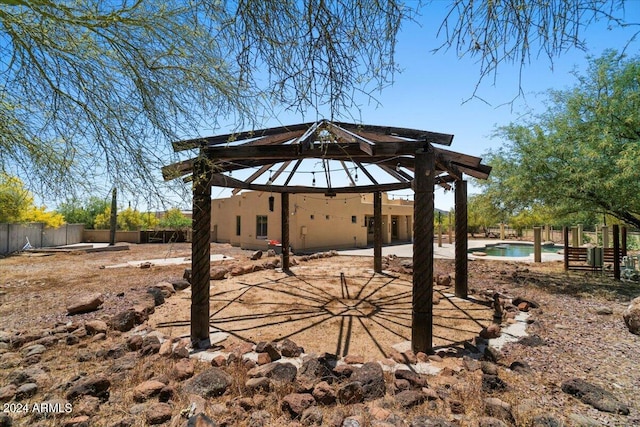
(296, 403)
(290, 349)
(158, 413)
(123, 321)
(631, 316)
(158, 297)
(96, 385)
(351, 393)
(94, 327)
(85, 304)
(209, 383)
(201, 420)
(410, 398)
(595, 396)
(144, 391)
(371, 376)
(218, 273)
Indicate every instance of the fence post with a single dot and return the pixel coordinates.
(537, 244)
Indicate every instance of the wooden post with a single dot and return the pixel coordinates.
(605, 236)
(284, 198)
(537, 244)
(565, 233)
(574, 237)
(502, 236)
(462, 285)
(377, 232)
(616, 251)
(580, 238)
(450, 229)
(113, 221)
(623, 245)
(201, 254)
(423, 233)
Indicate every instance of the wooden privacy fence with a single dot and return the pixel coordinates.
(14, 237)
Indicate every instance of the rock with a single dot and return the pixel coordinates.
(97, 385)
(492, 354)
(489, 368)
(282, 372)
(530, 304)
(87, 405)
(219, 273)
(603, 310)
(426, 421)
(470, 364)
(371, 376)
(134, 342)
(490, 332)
(406, 357)
(166, 348)
(497, 408)
(123, 321)
(351, 393)
(324, 394)
(158, 297)
(271, 253)
(33, 350)
(259, 384)
(520, 367)
(583, 421)
(296, 403)
(166, 288)
(85, 304)
(144, 391)
(209, 383)
(595, 396)
(201, 420)
(290, 349)
(183, 369)
(150, 345)
(491, 383)
(631, 316)
(180, 284)
(443, 280)
(410, 398)
(415, 379)
(158, 413)
(26, 390)
(125, 422)
(94, 327)
(546, 421)
(270, 349)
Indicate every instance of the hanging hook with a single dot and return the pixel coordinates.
(313, 181)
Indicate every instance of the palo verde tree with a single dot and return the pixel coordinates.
(583, 153)
(93, 90)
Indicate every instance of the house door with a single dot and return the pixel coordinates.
(394, 228)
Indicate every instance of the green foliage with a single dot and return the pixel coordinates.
(582, 154)
(482, 213)
(78, 212)
(93, 90)
(16, 204)
(128, 220)
(175, 220)
(14, 198)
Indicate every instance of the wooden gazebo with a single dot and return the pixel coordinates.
(407, 157)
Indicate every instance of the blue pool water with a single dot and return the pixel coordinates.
(513, 249)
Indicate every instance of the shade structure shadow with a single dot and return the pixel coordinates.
(349, 310)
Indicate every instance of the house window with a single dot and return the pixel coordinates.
(311, 216)
(261, 227)
(354, 219)
(238, 222)
(326, 217)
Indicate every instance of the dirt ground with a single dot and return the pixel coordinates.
(362, 314)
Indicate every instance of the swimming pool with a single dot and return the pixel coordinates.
(511, 250)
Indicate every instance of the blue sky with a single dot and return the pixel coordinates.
(431, 91)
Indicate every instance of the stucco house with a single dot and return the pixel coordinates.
(251, 219)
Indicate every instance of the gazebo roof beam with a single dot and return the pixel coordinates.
(430, 137)
(254, 176)
(230, 137)
(347, 136)
(391, 171)
(293, 171)
(366, 172)
(220, 180)
(345, 151)
(344, 166)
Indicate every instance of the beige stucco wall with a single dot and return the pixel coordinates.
(315, 222)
